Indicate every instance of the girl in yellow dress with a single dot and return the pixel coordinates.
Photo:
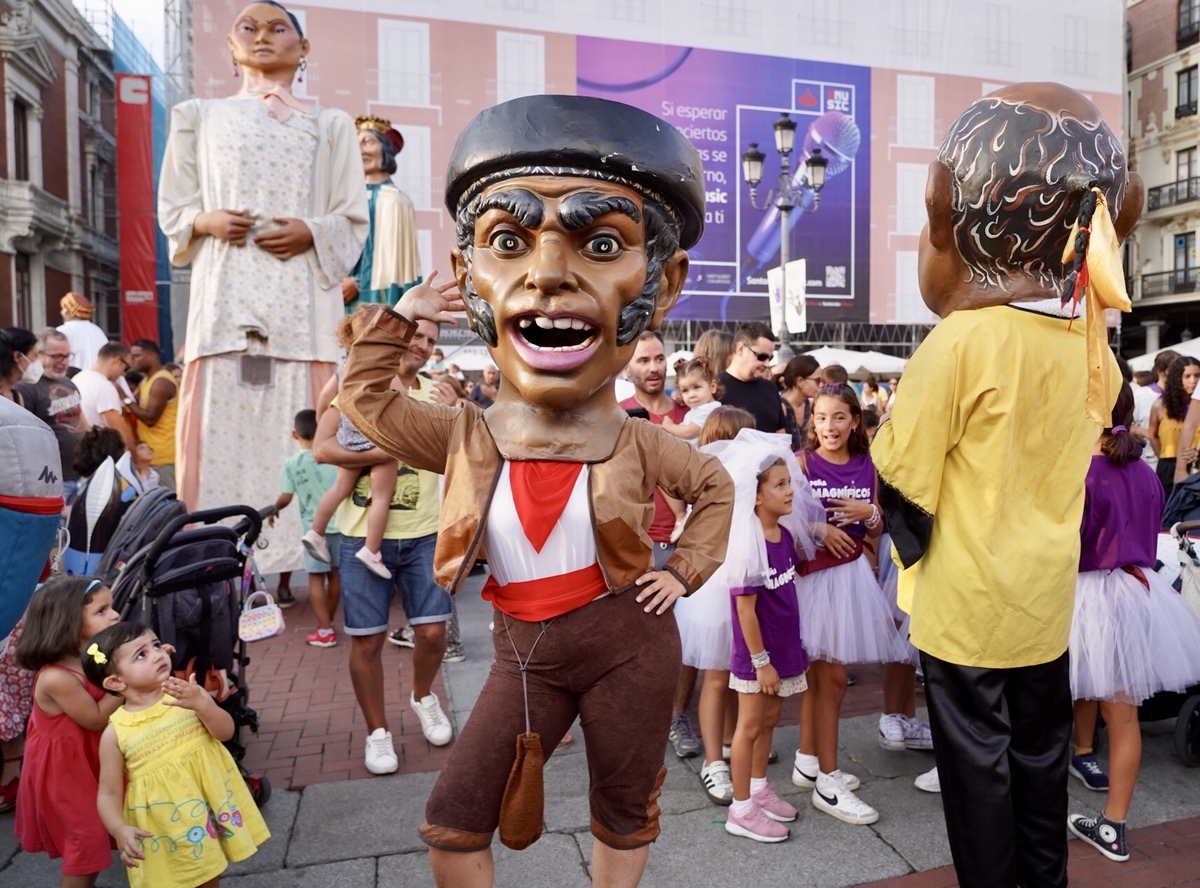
(185, 812)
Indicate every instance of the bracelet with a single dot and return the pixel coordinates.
(875, 518)
(758, 661)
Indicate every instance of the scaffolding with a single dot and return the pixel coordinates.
(178, 59)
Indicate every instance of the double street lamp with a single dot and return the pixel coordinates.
(786, 197)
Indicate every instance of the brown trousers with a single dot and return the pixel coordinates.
(609, 663)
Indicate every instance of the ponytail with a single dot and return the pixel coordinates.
(1118, 443)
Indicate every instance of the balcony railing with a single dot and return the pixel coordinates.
(1174, 193)
(1165, 283)
(1187, 34)
(1186, 109)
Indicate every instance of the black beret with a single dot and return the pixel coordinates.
(580, 136)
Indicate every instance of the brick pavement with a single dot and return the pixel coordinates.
(1160, 856)
(310, 730)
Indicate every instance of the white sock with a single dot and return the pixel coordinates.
(741, 809)
(328, 631)
(806, 763)
(823, 778)
(757, 784)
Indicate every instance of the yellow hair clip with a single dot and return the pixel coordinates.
(96, 654)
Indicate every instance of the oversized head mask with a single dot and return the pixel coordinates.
(573, 215)
(1005, 194)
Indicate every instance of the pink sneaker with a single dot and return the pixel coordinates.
(314, 545)
(374, 562)
(773, 806)
(756, 825)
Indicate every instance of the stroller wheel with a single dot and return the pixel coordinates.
(1187, 732)
(260, 788)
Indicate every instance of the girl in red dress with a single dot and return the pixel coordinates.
(56, 802)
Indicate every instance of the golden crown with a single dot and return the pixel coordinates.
(371, 122)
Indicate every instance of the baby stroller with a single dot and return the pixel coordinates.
(1180, 566)
(188, 584)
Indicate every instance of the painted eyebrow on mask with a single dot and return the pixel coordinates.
(583, 208)
(520, 203)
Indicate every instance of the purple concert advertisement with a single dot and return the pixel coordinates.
(723, 101)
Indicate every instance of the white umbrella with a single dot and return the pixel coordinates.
(1190, 348)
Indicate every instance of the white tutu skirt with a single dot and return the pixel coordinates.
(1127, 642)
(706, 627)
(845, 617)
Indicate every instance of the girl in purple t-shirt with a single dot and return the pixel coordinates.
(767, 663)
(1131, 633)
(845, 615)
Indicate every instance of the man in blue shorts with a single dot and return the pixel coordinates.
(407, 551)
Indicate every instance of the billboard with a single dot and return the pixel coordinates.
(722, 101)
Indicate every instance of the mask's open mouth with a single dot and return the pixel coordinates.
(556, 334)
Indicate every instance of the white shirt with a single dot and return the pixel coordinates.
(97, 395)
(86, 340)
(1143, 400)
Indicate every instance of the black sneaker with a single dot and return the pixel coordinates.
(1089, 772)
(1102, 834)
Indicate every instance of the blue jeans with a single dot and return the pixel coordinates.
(367, 598)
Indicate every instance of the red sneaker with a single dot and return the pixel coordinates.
(321, 639)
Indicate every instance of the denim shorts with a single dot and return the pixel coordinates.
(334, 542)
(367, 598)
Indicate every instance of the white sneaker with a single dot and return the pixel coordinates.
(832, 796)
(929, 781)
(434, 724)
(891, 732)
(804, 773)
(381, 755)
(917, 734)
(718, 785)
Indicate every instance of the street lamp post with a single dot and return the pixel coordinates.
(786, 196)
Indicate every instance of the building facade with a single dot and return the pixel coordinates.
(875, 82)
(1163, 58)
(58, 220)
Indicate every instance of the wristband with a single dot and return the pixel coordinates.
(758, 661)
(874, 520)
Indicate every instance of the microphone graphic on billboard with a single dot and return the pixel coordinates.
(838, 137)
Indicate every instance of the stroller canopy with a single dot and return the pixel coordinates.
(31, 502)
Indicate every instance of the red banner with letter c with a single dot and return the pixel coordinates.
(136, 208)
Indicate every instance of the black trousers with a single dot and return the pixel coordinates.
(1001, 739)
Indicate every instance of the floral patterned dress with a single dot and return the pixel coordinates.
(185, 790)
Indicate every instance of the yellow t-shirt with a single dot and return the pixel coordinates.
(991, 438)
(161, 435)
(416, 499)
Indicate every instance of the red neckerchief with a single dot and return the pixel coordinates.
(541, 489)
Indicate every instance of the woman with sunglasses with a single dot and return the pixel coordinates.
(801, 380)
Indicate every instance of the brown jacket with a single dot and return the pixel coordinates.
(456, 442)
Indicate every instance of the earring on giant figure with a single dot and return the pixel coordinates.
(303, 68)
(237, 71)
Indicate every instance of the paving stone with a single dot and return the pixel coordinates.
(554, 860)
(359, 818)
(357, 873)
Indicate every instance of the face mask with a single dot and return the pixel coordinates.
(33, 372)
